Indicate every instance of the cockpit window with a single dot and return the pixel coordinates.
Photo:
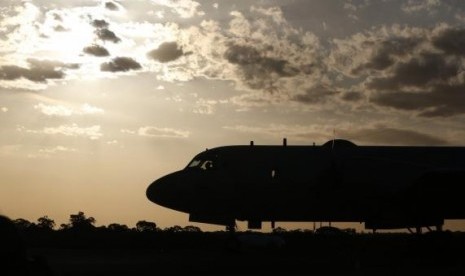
(194, 163)
(207, 165)
(201, 164)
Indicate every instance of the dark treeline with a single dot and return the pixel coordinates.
(81, 232)
(294, 250)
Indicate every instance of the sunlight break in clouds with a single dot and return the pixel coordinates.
(158, 132)
(92, 132)
(72, 130)
(63, 111)
(184, 8)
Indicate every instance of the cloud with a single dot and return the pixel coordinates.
(183, 8)
(258, 71)
(100, 23)
(96, 50)
(151, 131)
(89, 109)
(166, 52)
(57, 149)
(352, 96)
(120, 64)
(72, 130)
(54, 110)
(419, 71)
(4, 109)
(38, 71)
(412, 6)
(383, 135)
(205, 107)
(111, 6)
(377, 134)
(112, 142)
(316, 95)
(102, 31)
(63, 111)
(157, 132)
(93, 132)
(107, 35)
(413, 70)
(60, 28)
(442, 100)
(451, 41)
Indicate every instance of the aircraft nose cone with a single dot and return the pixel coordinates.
(157, 191)
(152, 192)
(171, 191)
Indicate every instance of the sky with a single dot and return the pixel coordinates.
(100, 98)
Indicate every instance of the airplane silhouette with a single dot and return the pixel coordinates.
(385, 187)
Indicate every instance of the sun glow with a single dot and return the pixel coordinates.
(65, 39)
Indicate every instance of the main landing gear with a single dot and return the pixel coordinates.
(419, 229)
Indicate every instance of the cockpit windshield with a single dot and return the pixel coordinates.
(194, 163)
(201, 164)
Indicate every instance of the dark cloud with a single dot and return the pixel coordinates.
(383, 135)
(59, 28)
(421, 74)
(166, 52)
(257, 70)
(315, 95)
(57, 17)
(111, 6)
(451, 41)
(352, 96)
(38, 71)
(120, 64)
(249, 56)
(242, 55)
(96, 50)
(107, 35)
(418, 72)
(387, 52)
(443, 100)
(99, 24)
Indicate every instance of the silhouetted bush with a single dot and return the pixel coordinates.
(146, 226)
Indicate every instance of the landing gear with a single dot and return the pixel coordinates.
(231, 228)
(232, 242)
(419, 229)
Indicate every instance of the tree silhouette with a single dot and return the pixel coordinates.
(118, 227)
(192, 229)
(23, 224)
(45, 223)
(146, 226)
(279, 230)
(80, 221)
(174, 229)
(65, 226)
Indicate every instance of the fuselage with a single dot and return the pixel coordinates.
(384, 186)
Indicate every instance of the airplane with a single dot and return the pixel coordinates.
(384, 187)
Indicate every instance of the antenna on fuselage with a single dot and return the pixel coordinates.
(251, 143)
(284, 142)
